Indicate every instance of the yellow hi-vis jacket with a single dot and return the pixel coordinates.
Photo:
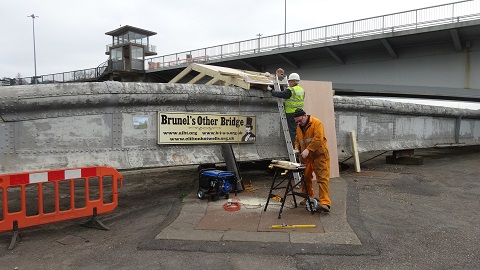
(296, 100)
(312, 137)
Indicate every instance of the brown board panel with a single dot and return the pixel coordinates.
(319, 103)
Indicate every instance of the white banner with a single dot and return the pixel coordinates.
(205, 128)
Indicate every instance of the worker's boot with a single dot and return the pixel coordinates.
(323, 208)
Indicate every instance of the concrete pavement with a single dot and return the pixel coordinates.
(202, 224)
(405, 217)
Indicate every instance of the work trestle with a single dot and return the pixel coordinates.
(284, 179)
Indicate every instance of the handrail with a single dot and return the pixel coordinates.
(455, 12)
(146, 45)
(389, 23)
(82, 75)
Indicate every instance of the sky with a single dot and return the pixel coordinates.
(70, 35)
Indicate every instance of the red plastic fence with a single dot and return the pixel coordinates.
(75, 193)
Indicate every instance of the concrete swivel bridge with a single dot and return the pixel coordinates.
(81, 124)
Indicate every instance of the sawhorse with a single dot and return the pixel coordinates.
(288, 175)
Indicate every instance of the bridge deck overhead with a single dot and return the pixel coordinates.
(415, 56)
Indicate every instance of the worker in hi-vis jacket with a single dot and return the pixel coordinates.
(294, 96)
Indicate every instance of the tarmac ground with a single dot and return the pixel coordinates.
(386, 217)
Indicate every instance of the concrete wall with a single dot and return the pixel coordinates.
(386, 125)
(83, 124)
(86, 124)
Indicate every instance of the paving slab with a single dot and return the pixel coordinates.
(206, 220)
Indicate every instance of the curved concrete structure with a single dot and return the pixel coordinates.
(387, 125)
(82, 124)
(88, 124)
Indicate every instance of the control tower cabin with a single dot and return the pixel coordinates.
(127, 53)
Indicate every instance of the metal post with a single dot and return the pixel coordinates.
(259, 35)
(34, 51)
(416, 19)
(285, 29)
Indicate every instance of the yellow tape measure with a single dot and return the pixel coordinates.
(285, 226)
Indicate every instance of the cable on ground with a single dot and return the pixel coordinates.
(231, 206)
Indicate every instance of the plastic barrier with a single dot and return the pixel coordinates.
(41, 197)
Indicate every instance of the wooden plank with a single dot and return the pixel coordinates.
(319, 103)
(240, 83)
(213, 80)
(181, 74)
(239, 78)
(197, 78)
(216, 76)
(226, 76)
(353, 140)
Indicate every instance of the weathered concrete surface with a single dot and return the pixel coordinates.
(81, 124)
(387, 125)
(88, 124)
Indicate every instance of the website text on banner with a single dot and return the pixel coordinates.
(205, 128)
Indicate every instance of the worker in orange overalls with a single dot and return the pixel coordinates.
(311, 143)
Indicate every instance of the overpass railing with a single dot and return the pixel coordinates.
(413, 19)
(83, 75)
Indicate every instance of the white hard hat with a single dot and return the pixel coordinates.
(294, 76)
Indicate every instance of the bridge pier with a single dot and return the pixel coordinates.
(404, 157)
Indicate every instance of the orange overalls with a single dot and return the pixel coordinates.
(312, 137)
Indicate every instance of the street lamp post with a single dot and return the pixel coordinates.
(285, 18)
(285, 29)
(34, 52)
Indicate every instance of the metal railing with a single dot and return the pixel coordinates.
(83, 75)
(413, 19)
(148, 47)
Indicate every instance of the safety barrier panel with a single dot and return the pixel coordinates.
(41, 197)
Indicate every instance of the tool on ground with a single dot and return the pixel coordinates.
(312, 206)
(300, 226)
(286, 133)
(216, 183)
(277, 198)
(250, 187)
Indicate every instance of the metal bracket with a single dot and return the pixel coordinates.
(15, 236)
(94, 222)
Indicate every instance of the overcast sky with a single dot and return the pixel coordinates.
(70, 35)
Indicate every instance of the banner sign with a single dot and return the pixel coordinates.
(205, 128)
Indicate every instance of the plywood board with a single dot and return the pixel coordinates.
(319, 103)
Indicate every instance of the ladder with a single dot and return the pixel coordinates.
(286, 133)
